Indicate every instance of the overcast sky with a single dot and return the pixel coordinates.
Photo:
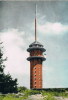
(17, 33)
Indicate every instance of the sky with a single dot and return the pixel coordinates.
(17, 33)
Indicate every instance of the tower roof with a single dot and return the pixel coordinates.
(36, 46)
(36, 43)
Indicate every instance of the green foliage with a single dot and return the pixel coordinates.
(26, 93)
(1, 97)
(52, 94)
(12, 97)
(35, 92)
(49, 97)
(7, 84)
(22, 88)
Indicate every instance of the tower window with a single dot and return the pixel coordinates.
(39, 78)
(34, 71)
(35, 82)
(34, 74)
(34, 67)
(35, 78)
(39, 74)
(35, 86)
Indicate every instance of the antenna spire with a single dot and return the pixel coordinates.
(35, 22)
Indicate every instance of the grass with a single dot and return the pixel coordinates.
(51, 95)
(12, 97)
(48, 95)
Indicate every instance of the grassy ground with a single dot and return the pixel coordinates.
(52, 95)
(48, 95)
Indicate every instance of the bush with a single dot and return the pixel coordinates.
(21, 89)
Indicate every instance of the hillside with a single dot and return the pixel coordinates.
(47, 94)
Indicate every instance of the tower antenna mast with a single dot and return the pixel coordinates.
(35, 22)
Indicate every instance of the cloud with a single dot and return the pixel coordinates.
(52, 28)
(12, 37)
(16, 63)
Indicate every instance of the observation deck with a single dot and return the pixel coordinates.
(36, 46)
(36, 57)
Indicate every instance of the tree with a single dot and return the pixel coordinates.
(7, 84)
(10, 85)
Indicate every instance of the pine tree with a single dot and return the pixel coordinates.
(7, 84)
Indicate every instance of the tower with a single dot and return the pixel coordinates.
(36, 58)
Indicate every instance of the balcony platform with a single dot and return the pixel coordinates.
(36, 57)
(36, 48)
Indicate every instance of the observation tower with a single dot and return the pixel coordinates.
(36, 59)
